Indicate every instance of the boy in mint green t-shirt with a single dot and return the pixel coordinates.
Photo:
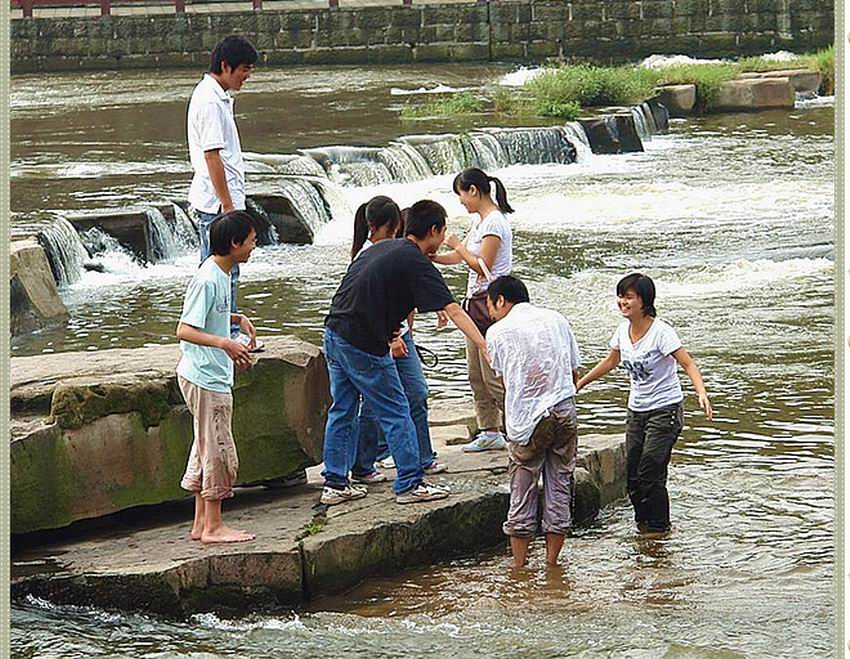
(205, 374)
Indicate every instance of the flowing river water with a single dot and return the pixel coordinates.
(731, 215)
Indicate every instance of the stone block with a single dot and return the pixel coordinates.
(432, 52)
(33, 295)
(407, 17)
(543, 49)
(301, 21)
(375, 18)
(754, 95)
(547, 12)
(280, 57)
(341, 55)
(623, 10)
(469, 52)
(678, 99)
(503, 13)
(120, 435)
(508, 51)
(391, 54)
(802, 80)
(657, 9)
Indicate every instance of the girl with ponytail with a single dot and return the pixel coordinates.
(376, 220)
(488, 253)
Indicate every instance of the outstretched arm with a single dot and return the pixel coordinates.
(604, 365)
(690, 367)
(464, 324)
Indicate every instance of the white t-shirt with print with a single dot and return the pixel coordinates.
(494, 224)
(651, 366)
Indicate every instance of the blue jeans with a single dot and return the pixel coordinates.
(372, 443)
(204, 221)
(355, 373)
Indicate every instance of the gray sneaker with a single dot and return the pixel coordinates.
(332, 496)
(423, 492)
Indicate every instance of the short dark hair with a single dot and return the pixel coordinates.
(422, 216)
(229, 228)
(509, 287)
(234, 50)
(643, 287)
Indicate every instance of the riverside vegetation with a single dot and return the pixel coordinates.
(562, 91)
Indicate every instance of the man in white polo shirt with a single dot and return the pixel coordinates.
(535, 352)
(218, 185)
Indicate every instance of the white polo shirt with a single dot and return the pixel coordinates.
(535, 352)
(211, 126)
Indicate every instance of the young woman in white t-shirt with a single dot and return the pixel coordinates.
(649, 349)
(488, 252)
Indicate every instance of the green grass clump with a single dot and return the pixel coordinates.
(824, 61)
(444, 106)
(557, 91)
(706, 77)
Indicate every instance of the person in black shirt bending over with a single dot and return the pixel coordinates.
(380, 289)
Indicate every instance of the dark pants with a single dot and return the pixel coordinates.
(649, 442)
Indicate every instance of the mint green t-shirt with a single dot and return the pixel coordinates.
(207, 308)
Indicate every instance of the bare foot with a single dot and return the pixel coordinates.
(195, 534)
(226, 534)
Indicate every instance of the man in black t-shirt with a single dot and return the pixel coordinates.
(380, 289)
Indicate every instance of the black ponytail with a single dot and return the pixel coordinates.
(501, 196)
(474, 176)
(361, 230)
(377, 212)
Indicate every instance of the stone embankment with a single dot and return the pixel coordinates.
(528, 31)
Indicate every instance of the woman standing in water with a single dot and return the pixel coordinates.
(488, 251)
(648, 348)
(380, 219)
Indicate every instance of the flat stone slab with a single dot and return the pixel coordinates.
(303, 549)
(802, 80)
(94, 433)
(754, 94)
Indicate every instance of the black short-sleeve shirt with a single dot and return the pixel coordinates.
(382, 286)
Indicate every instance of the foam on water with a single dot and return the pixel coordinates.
(522, 75)
(438, 89)
(663, 61)
(212, 621)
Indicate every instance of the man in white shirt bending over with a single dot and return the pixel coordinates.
(218, 185)
(535, 352)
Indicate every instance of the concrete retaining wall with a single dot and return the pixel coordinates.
(603, 30)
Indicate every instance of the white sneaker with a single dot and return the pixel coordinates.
(387, 462)
(486, 441)
(435, 468)
(423, 492)
(332, 496)
(368, 479)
